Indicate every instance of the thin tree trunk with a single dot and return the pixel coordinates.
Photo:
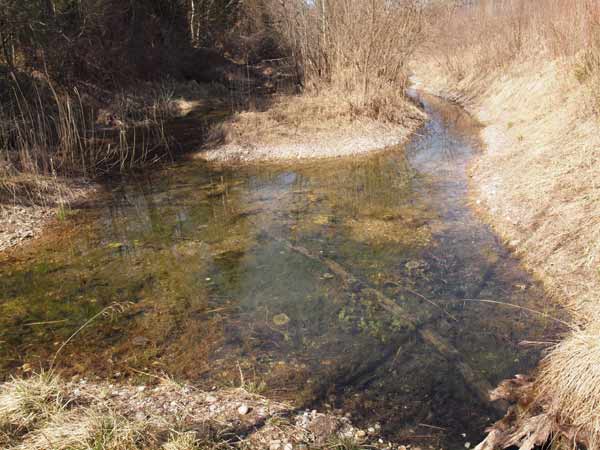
(193, 22)
(49, 8)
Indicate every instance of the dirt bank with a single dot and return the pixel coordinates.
(35, 204)
(539, 185)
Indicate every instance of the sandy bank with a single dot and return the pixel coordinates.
(342, 142)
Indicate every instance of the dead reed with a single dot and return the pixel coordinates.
(46, 134)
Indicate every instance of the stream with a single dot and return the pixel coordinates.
(343, 284)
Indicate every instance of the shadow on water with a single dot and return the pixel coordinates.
(337, 284)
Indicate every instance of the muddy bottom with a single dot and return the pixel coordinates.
(350, 284)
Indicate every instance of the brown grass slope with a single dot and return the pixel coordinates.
(529, 71)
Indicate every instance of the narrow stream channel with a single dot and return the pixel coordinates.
(343, 284)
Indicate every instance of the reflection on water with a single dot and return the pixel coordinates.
(282, 273)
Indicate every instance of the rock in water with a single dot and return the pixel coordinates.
(281, 319)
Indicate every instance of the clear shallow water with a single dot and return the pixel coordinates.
(278, 272)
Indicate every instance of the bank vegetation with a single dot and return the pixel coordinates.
(350, 61)
(93, 88)
(530, 71)
(46, 412)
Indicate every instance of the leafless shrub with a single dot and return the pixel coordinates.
(358, 48)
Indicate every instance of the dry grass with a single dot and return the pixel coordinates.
(290, 119)
(44, 412)
(531, 74)
(26, 403)
(570, 381)
(310, 126)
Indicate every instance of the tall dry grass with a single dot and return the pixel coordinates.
(483, 38)
(46, 134)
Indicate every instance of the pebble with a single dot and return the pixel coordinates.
(360, 434)
(281, 319)
(243, 410)
(140, 341)
(348, 434)
(288, 446)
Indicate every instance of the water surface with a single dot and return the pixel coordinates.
(216, 272)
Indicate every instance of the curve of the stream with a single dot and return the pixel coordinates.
(345, 284)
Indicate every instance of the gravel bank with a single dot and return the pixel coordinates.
(44, 411)
(341, 142)
(22, 223)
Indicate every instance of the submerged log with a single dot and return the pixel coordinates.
(478, 385)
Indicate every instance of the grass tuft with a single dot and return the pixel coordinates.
(24, 403)
(569, 382)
